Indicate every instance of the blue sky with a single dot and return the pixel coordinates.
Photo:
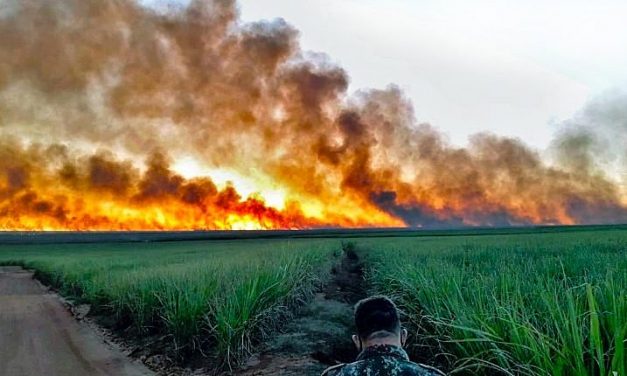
(514, 68)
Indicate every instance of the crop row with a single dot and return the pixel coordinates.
(552, 304)
(217, 298)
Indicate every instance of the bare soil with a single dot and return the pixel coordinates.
(39, 335)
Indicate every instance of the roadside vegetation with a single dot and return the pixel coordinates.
(216, 298)
(550, 304)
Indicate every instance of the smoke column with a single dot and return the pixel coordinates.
(99, 100)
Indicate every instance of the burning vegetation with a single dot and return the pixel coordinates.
(98, 100)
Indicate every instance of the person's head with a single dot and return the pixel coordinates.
(378, 323)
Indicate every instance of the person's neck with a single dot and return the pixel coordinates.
(382, 341)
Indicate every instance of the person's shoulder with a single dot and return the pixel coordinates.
(399, 368)
(333, 370)
(346, 369)
(425, 370)
(410, 368)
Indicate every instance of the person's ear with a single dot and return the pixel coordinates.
(357, 341)
(403, 337)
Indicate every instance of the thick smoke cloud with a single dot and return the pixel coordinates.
(595, 140)
(99, 98)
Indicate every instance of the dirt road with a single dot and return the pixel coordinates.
(38, 336)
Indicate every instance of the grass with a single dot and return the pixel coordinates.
(550, 304)
(214, 297)
(508, 302)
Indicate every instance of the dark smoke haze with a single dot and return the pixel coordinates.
(98, 98)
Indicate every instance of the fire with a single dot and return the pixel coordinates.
(260, 188)
(116, 117)
(106, 194)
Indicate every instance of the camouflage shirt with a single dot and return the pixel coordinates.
(382, 360)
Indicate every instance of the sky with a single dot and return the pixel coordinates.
(514, 68)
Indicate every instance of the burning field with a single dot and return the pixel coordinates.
(116, 116)
(117, 119)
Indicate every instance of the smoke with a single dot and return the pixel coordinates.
(595, 139)
(98, 99)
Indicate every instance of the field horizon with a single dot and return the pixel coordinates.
(86, 236)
